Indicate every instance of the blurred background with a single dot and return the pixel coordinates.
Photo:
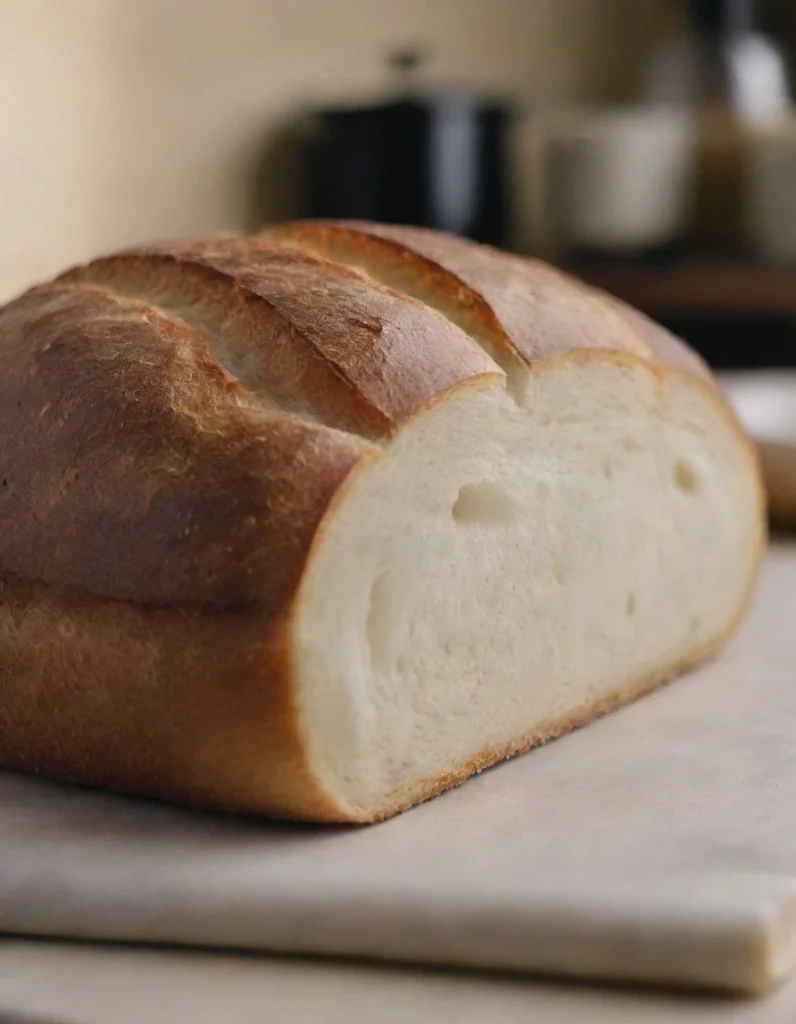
(648, 145)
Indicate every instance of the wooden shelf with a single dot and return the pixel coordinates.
(697, 287)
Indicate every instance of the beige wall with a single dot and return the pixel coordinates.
(58, 130)
(125, 119)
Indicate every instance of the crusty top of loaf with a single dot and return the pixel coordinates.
(517, 303)
(177, 417)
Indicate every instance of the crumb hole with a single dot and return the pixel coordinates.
(608, 469)
(684, 476)
(484, 504)
(631, 604)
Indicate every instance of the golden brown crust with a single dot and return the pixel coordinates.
(133, 468)
(313, 337)
(192, 708)
(665, 348)
(519, 305)
(176, 424)
(232, 467)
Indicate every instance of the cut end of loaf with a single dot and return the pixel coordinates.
(504, 573)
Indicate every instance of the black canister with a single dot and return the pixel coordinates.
(435, 161)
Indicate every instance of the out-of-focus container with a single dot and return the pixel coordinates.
(434, 158)
(619, 179)
(436, 161)
(734, 77)
(771, 191)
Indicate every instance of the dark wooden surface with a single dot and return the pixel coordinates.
(719, 288)
(737, 314)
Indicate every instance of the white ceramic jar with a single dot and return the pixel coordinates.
(619, 179)
(771, 190)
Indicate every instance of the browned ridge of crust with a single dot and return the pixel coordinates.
(128, 451)
(516, 307)
(235, 384)
(238, 381)
(308, 336)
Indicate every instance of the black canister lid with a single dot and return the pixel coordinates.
(723, 15)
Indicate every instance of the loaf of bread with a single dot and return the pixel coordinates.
(318, 523)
